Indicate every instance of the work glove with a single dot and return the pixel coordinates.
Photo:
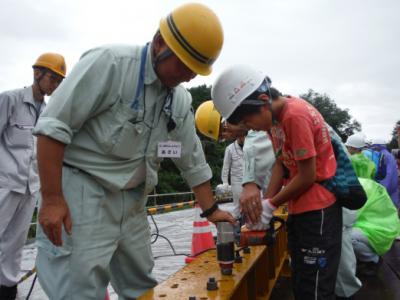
(222, 189)
(266, 216)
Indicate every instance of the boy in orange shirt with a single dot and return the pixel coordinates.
(303, 148)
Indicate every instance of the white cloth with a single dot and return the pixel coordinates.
(223, 189)
(233, 165)
(236, 192)
(16, 212)
(266, 216)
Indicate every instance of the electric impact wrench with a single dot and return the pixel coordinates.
(229, 235)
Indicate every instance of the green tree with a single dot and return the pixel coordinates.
(339, 119)
(393, 144)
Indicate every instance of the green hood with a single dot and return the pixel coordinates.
(364, 167)
(378, 218)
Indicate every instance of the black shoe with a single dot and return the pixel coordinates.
(8, 292)
(368, 269)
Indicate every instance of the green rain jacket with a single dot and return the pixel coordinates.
(378, 218)
(364, 167)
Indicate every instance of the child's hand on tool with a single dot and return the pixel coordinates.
(266, 216)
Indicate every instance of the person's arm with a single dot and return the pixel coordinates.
(300, 183)
(82, 94)
(54, 210)
(276, 182)
(254, 209)
(204, 197)
(226, 165)
(192, 163)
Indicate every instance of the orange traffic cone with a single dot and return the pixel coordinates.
(202, 238)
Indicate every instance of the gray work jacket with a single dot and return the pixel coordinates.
(18, 165)
(92, 113)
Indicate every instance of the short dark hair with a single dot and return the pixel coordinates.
(251, 109)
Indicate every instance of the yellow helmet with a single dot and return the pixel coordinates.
(208, 120)
(52, 61)
(193, 32)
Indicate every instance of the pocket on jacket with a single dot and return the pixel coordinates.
(20, 135)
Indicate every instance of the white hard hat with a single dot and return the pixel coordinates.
(378, 141)
(356, 140)
(233, 86)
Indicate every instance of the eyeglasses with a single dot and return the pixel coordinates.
(55, 77)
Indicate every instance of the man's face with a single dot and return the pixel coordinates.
(171, 71)
(49, 82)
(232, 132)
(261, 121)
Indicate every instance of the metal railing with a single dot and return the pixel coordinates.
(155, 204)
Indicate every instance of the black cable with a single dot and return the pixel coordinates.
(157, 230)
(157, 235)
(31, 289)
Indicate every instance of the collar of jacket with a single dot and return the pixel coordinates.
(150, 75)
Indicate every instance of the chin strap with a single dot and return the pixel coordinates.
(160, 57)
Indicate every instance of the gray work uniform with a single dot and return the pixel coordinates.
(19, 181)
(259, 158)
(111, 156)
(347, 283)
(233, 166)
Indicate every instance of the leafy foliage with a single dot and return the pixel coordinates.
(393, 144)
(339, 119)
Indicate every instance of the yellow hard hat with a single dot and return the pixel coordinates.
(208, 120)
(193, 32)
(52, 61)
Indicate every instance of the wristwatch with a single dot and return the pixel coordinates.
(209, 211)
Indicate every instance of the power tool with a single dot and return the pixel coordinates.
(228, 235)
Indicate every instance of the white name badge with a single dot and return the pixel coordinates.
(169, 149)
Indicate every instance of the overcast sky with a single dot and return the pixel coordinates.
(348, 49)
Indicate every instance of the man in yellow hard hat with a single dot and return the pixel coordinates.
(209, 122)
(19, 181)
(119, 113)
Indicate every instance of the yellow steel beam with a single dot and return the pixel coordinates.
(253, 279)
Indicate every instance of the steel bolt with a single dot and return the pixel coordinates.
(212, 284)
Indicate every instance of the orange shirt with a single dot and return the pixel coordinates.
(301, 133)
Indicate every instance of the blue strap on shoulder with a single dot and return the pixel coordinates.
(140, 84)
